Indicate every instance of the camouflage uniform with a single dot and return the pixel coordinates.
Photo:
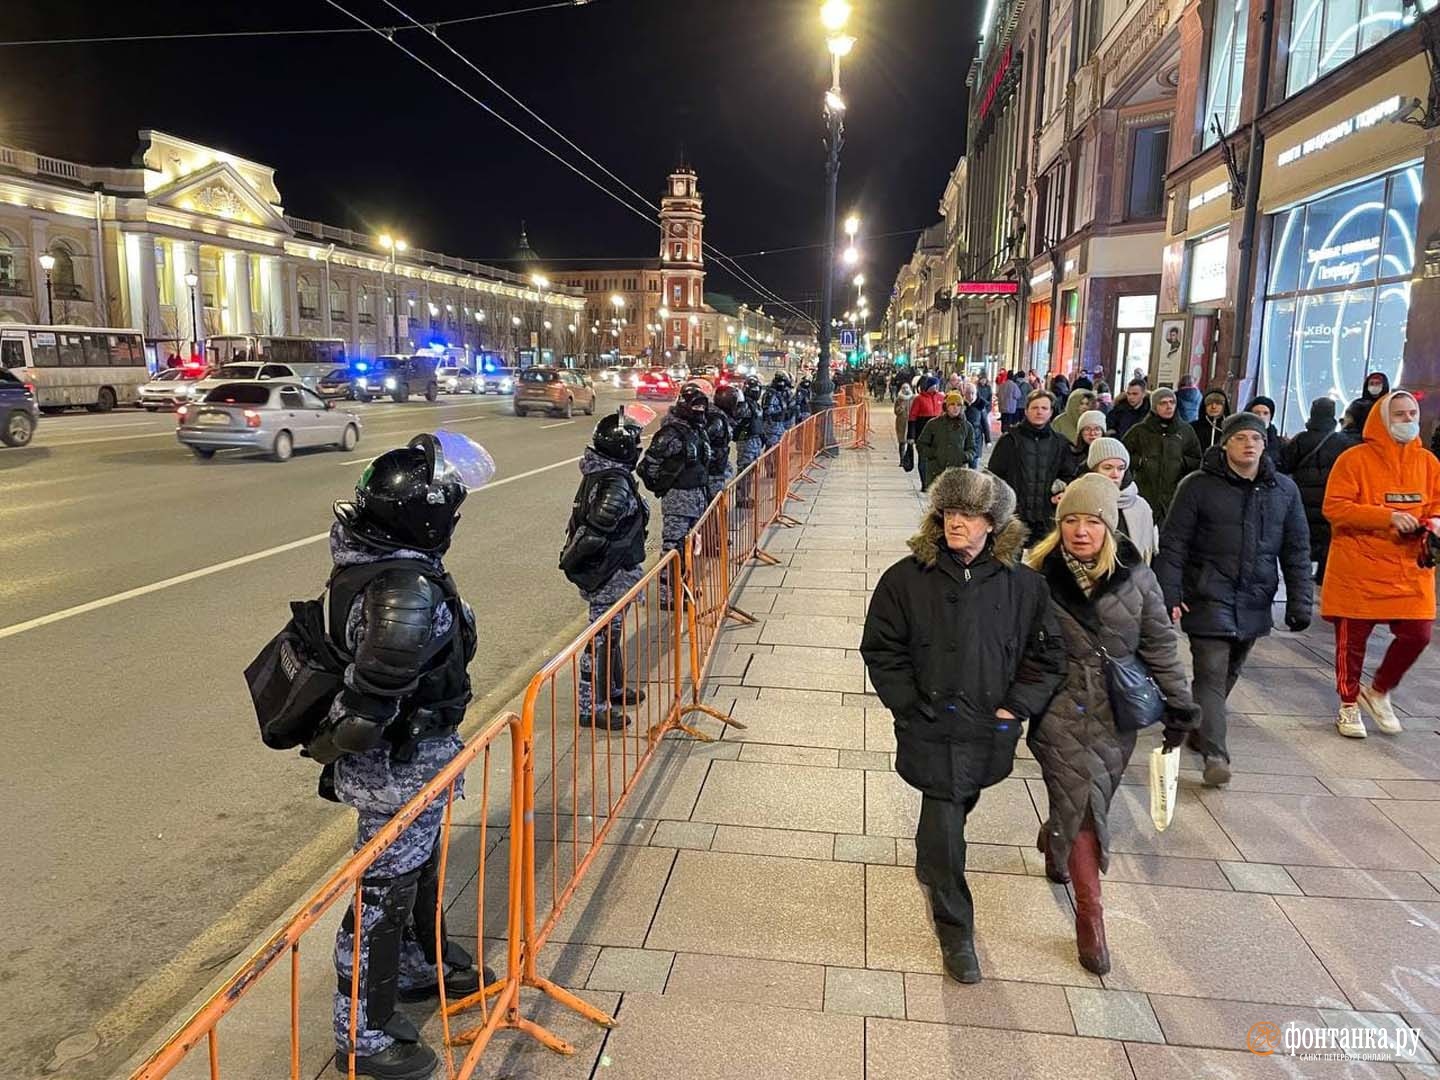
(680, 509)
(609, 657)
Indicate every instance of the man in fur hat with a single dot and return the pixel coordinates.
(963, 646)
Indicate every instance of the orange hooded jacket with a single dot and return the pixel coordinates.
(1372, 572)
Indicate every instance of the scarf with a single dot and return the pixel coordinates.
(1084, 573)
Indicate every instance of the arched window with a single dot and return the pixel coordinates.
(338, 301)
(11, 280)
(62, 277)
(367, 311)
(309, 297)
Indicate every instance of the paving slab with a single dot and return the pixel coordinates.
(840, 604)
(772, 908)
(683, 834)
(1166, 870)
(777, 796)
(747, 979)
(1384, 954)
(1113, 1014)
(623, 969)
(1182, 941)
(667, 1037)
(904, 1050)
(516, 1056)
(997, 1003)
(803, 723)
(865, 849)
(816, 672)
(1362, 884)
(1004, 815)
(1259, 877)
(773, 754)
(784, 843)
(1419, 818)
(821, 631)
(1314, 831)
(1221, 1023)
(1184, 1063)
(862, 992)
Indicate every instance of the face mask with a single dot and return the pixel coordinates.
(1405, 433)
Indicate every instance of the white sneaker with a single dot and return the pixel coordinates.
(1380, 710)
(1349, 722)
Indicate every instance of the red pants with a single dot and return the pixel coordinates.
(1351, 637)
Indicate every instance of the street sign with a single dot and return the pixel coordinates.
(986, 288)
(847, 340)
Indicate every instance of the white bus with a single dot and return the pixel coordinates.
(98, 367)
(239, 348)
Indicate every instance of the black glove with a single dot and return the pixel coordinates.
(1174, 738)
(1297, 621)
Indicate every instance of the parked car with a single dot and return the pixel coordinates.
(398, 376)
(500, 380)
(554, 390)
(19, 413)
(656, 383)
(457, 380)
(169, 388)
(277, 417)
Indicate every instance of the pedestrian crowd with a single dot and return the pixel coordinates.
(1047, 595)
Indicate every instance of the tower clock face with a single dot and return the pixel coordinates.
(677, 229)
(679, 187)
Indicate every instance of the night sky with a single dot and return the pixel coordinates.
(362, 136)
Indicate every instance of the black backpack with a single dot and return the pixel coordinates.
(295, 677)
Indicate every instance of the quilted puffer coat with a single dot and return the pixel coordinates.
(1082, 754)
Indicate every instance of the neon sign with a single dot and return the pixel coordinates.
(1331, 135)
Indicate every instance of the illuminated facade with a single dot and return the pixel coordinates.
(127, 240)
(1344, 224)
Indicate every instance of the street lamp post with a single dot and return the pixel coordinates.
(834, 14)
(515, 338)
(47, 263)
(618, 303)
(191, 280)
(394, 246)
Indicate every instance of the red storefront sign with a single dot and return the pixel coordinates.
(987, 288)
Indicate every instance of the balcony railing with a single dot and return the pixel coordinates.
(67, 292)
(309, 312)
(14, 288)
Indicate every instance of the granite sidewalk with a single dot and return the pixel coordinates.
(768, 923)
(755, 915)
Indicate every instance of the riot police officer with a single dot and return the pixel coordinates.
(719, 432)
(776, 409)
(748, 443)
(802, 400)
(674, 467)
(603, 555)
(408, 639)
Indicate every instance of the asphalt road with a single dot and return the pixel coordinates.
(141, 810)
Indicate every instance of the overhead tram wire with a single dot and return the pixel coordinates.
(119, 39)
(726, 262)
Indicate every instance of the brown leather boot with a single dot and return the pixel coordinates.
(1053, 870)
(1089, 914)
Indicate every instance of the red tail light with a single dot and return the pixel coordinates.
(252, 418)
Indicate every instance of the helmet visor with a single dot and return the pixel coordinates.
(460, 458)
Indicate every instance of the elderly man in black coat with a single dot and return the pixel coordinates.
(962, 646)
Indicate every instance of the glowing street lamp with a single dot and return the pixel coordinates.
(47, 263)
(191, 280)
(834, 14)
(852, 256)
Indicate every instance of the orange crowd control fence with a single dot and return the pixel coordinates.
(592, 720)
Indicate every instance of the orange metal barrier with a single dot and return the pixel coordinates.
(497, 1003)
(653, 655)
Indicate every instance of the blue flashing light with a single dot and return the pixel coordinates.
(360, 365)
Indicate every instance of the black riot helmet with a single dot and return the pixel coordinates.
(727, 400)
(405, 500)
(805, 383)
(781, 381)
(752, 388)
(618, 438)
(691, 404)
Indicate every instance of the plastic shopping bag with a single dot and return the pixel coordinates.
(1164, 786)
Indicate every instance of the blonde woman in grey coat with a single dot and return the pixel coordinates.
(1104, 597)
(903, 397)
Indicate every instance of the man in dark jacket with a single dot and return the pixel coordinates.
(1264, 408)
(675, 467)
(603, 555)
(1211, 424)
(1130, 409)
(719, 432)
(977, 412)
(947, 441)
(1307, 459)
(1230, 525)
(1163, 451)
(962, 646)
(1030, 457)
(1377, 385)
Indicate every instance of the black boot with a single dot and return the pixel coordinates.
(398, 1061)
(605, 720)
(1053, 870)
(613, 667)
(461, 978)
(961, 963)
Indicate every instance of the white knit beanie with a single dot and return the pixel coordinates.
(1105, 448)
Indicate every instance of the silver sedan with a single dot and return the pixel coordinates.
(276, 417)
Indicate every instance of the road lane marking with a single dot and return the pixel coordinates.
(228, 564)
(562, 423)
